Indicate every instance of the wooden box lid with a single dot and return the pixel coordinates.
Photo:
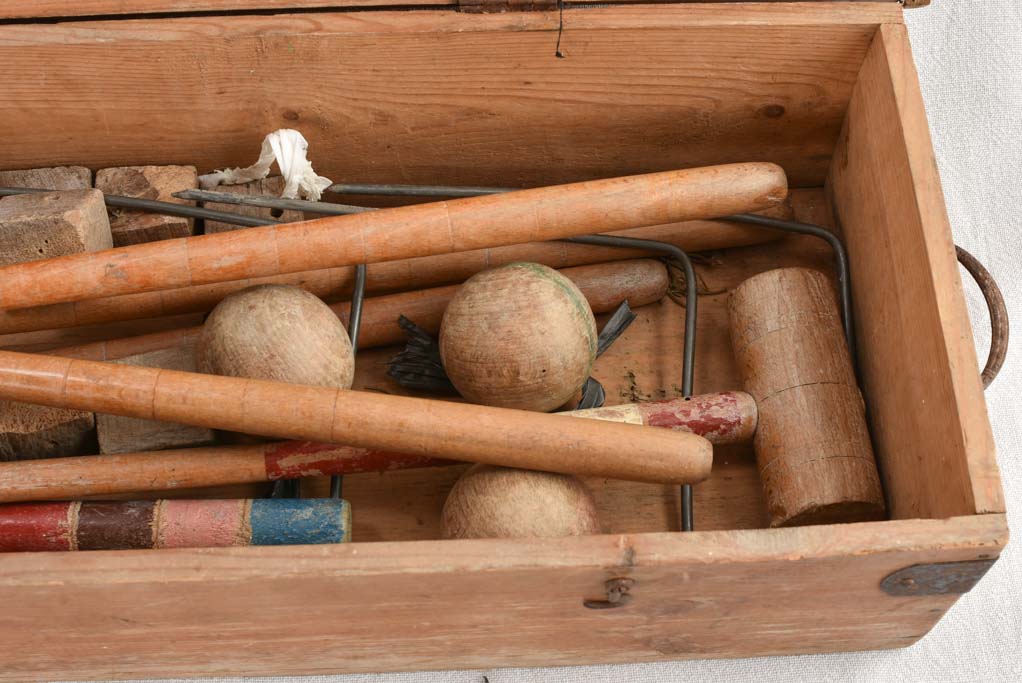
(52, 9)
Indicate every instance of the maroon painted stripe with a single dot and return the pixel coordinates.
(116, 526)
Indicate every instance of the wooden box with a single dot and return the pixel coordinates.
(387, 92)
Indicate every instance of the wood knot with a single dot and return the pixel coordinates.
(617, 594)
(772, 111)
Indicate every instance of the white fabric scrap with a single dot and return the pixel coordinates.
(289, 149)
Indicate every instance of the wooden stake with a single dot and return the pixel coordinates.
(605, 285)
(496, 436)
(177, 523)
(100, 475)
(392, 276)
(405, 232)
(724, 418)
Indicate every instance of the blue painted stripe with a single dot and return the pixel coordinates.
(306, 521)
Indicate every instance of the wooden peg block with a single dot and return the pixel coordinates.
(57, 178)
(34, 227)
(127, 434)
(268, 187)
(28, 432)
(42, 226)
(148, 182)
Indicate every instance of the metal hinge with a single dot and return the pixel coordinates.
(942, 578)
(496, 6)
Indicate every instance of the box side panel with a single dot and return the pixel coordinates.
(439, 96)
(469, 604)
(916, 350)
(28, 9)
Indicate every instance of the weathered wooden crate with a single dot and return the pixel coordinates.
(437, 95)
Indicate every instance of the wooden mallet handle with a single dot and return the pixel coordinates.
(101, 475)
(392, 276)
(729, 417)
(404, 232)
(724, 418)
(415, 426)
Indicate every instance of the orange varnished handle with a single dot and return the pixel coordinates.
(605, 286)
(414, 426)
(403, 232)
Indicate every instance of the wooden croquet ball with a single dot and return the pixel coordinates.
(519, 336)
(279, 333)
(502, 502)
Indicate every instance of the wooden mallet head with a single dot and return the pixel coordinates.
(812, 442)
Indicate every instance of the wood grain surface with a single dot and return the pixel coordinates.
(207, 468)
(439, 228)
(147, 182)
(24, 9)
(333, 284)
(812, 443)
(403, 97)
(917, 355)
(708, 593)
(458, 431)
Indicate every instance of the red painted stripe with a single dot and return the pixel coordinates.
(296, 459)
(31, 527)
(720, 418)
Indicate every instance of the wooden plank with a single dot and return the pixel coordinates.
(437, 96)
(916, 350)
(400, 606)
(29, 9)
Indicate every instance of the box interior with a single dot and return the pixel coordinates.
(826, 89)
(431, 96)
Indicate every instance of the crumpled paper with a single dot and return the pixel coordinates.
(289, 149)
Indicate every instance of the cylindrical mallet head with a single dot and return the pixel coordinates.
(519, 336)
(279, 333)
(812, 443)
(503, 502)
